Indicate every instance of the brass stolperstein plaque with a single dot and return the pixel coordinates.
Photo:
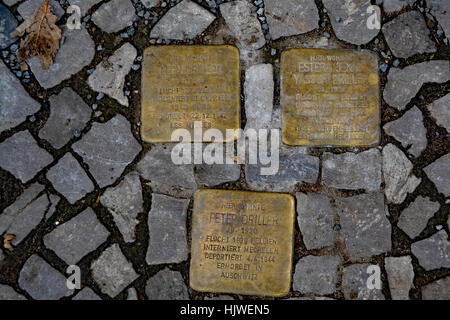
(330, 98)
(242, 242)
(186, 84)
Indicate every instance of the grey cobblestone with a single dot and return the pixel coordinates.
(439, 173)
(166, 285)
(440, 112)
(433, 252)
(114, 15)
(354, 284)
(415, 218)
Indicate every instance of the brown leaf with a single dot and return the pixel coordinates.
(43, 35)
(7, 239)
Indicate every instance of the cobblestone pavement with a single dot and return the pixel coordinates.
(78, 186)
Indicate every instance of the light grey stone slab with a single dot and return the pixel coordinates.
(125, 202)
(68, 113)
(10, 2)
(8, 24)
(349, 20)
(400, 274)
(291, 17)
(243, 24)
(433, 252)
(184, 21)
(439, 173)
(114, 15)
(316, 274)
(112, 271)
(69, 179)
(398, 177)
(408, 35)
(84, 5)
(15, 103)
(410, 131)
(108, 148)
(391, 6)
(132, 294)
(415, 218)
(210, 175)
(41, 281)
(354, 284)
(259, 91)
(352, 171)
(440, 111)
(315, 219)
(441, 10)
(76, 52)
(366, 230)
(86, 295)
(109, 78)
(27, 8)
(167, 229)
(8, 293)
(166, 285)
(404, 84)
(150, 3)
(165, 176)
(437, 290)
(22, 157)
(75, 238)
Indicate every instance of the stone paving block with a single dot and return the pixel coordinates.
(114, 15)
(68, 113)
(109, 77)
(409, 130)
(349, 20)
(84, 5)
(408, 35)
(86, 295)
(167, 229)
(352, 171)
(54, 200)
(8, 24)
(316, 274)
(291, 17)
(294, 167)
(41, 281)
(243, 24)
(132, 294)
(166, 285)
(391, 6)
(8, 293)
(150, 3)
(400, 274)
(441, 10)
(22, 157)
(10, 2)
(15, 103)
(107, 149)
(76, 52)
(69, 179)
(397, 172)
(112, 271)
(27, 8)
(437, 290)
(404, 84)
(210, 175)
(75, 238)
(354, 284)
(184, 21)
(440, 111)
(125, 202)
(366, 230)
(433, 252)
(259, 90)
(415, 218)
(165, 176)
(439, 173)
(315, 219)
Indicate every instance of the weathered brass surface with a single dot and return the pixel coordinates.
(330, 98)
(183, 84)
(242, 242)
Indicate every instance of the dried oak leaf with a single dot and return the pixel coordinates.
(7, 239)
(43, 35)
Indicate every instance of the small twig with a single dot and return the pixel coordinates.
(44, 13)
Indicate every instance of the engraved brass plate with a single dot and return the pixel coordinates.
(186, 84)
(330, 98)
(242, 242)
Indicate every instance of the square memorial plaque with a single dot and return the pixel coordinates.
(330, 98)
(186, 84)
(242, 242)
